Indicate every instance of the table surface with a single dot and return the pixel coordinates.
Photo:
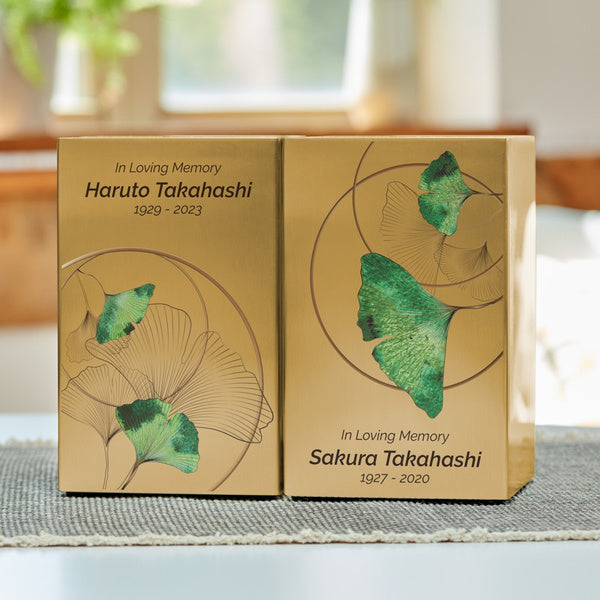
(546, 570)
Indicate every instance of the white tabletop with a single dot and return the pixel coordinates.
(548, 570)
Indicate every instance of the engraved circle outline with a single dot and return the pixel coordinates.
(350, 191)
(170, 258)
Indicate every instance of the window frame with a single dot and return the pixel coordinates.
(353, 82)
(133, 112)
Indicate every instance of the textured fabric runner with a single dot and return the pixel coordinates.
(562, 503)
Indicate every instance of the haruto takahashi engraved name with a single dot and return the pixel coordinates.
(166, 189)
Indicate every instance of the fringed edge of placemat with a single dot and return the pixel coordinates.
(37, 443)
(306, 536)
(567, 434)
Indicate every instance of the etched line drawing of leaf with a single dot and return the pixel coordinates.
(420, 248)
(92, 293)
(121, 311)
(75, 343)
(158, 358)
(409, 239)
(91, 398)
(446, 193)
(157, 437)
(79, 404)
(474, 269)
(414, 325)
(223, 396)
(103, 384)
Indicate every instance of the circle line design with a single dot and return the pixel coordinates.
(351, 190)
(169, 258)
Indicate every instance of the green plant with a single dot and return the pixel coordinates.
(97, 23)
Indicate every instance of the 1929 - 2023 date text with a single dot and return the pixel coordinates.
(155, 210)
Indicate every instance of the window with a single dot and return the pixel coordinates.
(246, 66)
(255, 54)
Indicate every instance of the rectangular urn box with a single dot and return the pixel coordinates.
(381, 291)
(168, 315)
(409, 298)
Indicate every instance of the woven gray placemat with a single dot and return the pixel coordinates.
(562, 503)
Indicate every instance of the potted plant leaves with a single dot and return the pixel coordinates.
(30, 29)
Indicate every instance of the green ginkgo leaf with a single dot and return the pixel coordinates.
(158, 438)
(447, 193)
(121, 311)
(394, 306)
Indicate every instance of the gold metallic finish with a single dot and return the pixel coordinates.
(409, 316)
(168, 315)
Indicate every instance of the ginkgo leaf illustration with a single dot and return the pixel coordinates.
(201, 377)
(121, 311)
(75, 344)
(414, 324)
(159, 357)
(409, 239)
(474, 268)
(156, 437)
(447, 193)
(224, 396)
(80, 399)
(93, 298)
(91, 398)
(103, 384)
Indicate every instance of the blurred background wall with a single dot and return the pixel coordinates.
(306, 67)
(549, 72)
(311, 66)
